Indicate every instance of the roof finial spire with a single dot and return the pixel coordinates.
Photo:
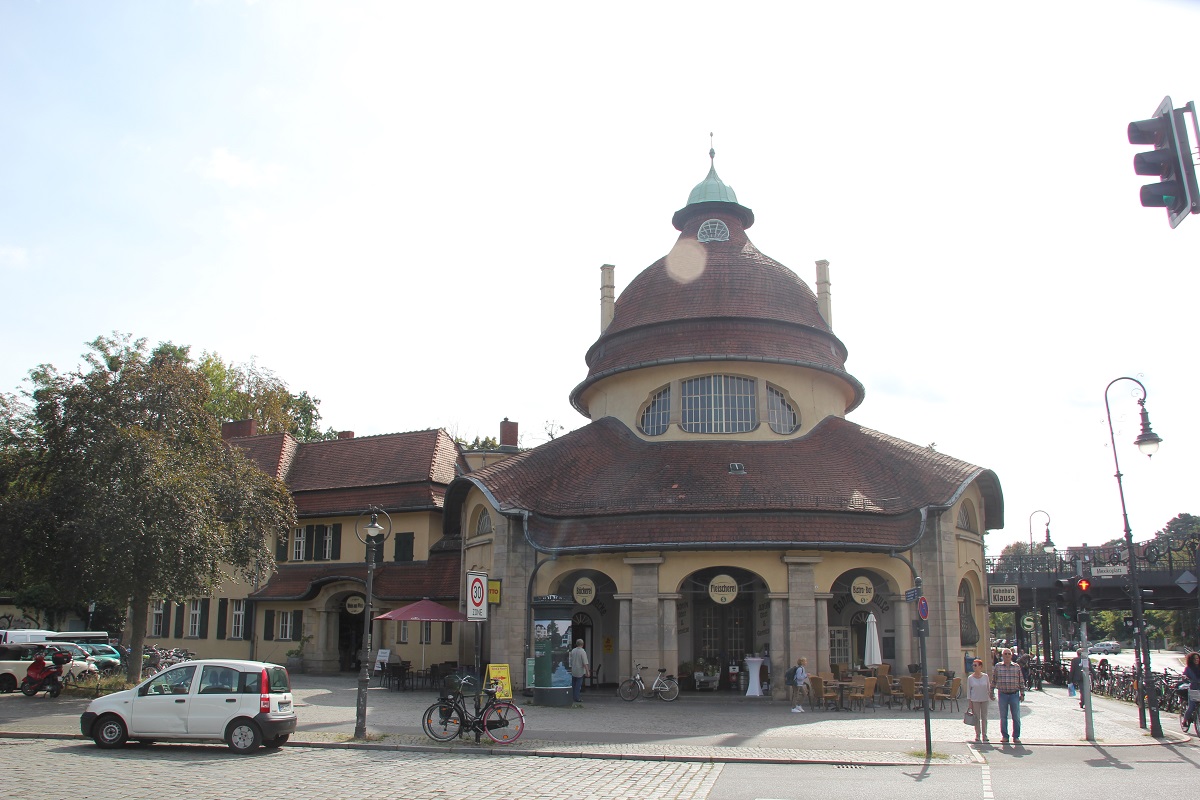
(712, 154)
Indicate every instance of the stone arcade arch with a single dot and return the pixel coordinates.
(593, 619)
(854, 595)
(723, 614)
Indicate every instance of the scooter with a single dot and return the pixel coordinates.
(49, 681)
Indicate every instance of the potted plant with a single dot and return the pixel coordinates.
(295, 656)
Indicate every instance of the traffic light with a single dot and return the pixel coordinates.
(1170, 160)
(1083, 599)
(1064, 598)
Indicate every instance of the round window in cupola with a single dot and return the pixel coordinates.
(713, 230)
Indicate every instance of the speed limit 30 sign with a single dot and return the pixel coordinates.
(477, 605)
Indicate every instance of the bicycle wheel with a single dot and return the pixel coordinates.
(504, 722)
(670, 690)
(629, 689)
(442, 721)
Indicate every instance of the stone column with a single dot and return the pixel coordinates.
(779, 643)
(906, 648)
(623, 665)
(669, 632)
(802, 623)
(820, 662)
(644, 612)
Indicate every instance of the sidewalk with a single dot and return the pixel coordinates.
(696, 727)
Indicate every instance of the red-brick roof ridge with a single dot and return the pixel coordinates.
(603, 469)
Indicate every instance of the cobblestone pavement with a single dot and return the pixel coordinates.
(703, 728)
(41, 768)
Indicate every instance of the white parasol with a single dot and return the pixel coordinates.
(873, 656)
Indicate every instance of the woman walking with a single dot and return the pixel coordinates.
(979, 694)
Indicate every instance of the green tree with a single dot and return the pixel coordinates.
(250, 392)
(129, 492)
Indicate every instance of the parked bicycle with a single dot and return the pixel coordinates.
(665, 687)
(502, 720)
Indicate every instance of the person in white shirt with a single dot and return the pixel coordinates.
(979, 694)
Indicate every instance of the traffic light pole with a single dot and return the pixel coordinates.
(1085, 684)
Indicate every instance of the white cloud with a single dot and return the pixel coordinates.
(238, 173)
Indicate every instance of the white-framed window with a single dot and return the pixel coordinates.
(447, 633)
(656, 416)
(237, 619)
(193, 618)
(402, 635)
(285, 625)
(156, 618)
(298, 545)
(713, 230)
(839, 645)
(483, 525)
(325, 541)
(719, 404)
(426, 633)
(780, 414)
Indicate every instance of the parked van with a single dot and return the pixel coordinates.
(24, 635)
(79, 637)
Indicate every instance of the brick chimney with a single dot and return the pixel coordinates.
(345, 434)
(508, 434)
(239, 429)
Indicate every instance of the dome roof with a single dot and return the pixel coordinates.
(716, 300)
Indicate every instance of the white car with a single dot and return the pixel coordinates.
(1109, 647)
(242, 703)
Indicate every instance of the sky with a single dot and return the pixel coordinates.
(402, 208)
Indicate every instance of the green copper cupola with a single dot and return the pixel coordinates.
(710, 194)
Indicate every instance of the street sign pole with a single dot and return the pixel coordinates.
(923, 632)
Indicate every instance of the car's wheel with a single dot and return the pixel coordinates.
(8, 683)
(278, 741)
(243, 736)
(109, 731)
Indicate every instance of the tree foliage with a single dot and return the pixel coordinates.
(121, 490)
(250, 392)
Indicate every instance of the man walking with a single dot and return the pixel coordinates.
(1010, 693)
(580, 668)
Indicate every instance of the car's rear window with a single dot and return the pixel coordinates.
(278, 677)
(277, 680)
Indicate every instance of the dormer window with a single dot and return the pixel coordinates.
(713, 230)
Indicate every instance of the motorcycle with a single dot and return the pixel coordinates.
(43, 677)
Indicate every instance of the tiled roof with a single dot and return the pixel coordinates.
(840, 484)
(394, 471)
(272, 452)
(374, 461)
(439, 578)
(715, 301)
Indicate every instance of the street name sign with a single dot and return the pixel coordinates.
(1109, 572)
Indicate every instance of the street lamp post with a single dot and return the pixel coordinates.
(1038, 640)
(372, 535)
(1147, 443)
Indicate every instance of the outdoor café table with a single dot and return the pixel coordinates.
(841, 689)
(753, 681)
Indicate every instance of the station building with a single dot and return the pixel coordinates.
(719, 503)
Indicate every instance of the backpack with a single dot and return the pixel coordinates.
(790, 677)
